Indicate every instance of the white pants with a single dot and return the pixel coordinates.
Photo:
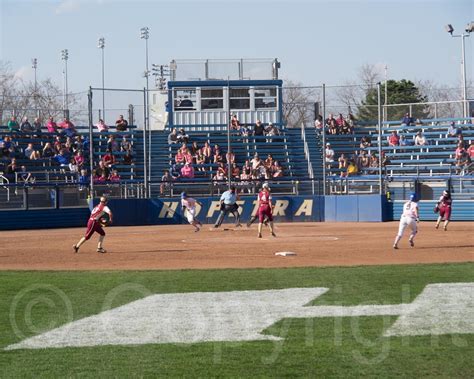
(190, 214)
(407, 221)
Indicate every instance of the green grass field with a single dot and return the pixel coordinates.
(34, 302)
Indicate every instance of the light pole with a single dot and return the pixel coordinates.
(34, 65)
(65, 57)
(145, 34)
(469, 29)
(101, 45)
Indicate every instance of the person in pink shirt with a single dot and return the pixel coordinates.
(470, 150)
(179, 157)
(394, 139)
(51, 126)
(188, 206)
(102, 126)
(187, 171)
(459, 150)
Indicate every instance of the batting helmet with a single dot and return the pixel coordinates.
(413, 197)
(184, 195)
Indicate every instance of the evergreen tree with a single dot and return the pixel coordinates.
(399, 92)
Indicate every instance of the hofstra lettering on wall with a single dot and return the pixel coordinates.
(288, 208)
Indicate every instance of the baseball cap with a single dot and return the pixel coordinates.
(328, 144)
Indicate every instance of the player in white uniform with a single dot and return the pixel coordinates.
(409, 218)
(188, 205)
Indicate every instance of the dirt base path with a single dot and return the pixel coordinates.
(178, 247)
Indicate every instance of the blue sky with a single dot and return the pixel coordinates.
(316, 41)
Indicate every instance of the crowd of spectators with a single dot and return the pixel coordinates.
(335, 125)
(59, 145)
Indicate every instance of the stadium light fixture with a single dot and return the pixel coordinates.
(469, 28)
(65, 57)
(34, 65)
(101, 46)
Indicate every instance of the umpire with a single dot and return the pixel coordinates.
(228, 205)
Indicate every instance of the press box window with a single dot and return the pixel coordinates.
(184, 99)
(265, 98)
(239, 98)
(212, 98)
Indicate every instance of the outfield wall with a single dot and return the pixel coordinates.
(128, 212)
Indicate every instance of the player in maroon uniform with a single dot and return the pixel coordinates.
(265, 209)
(444, 208)
(94, 225)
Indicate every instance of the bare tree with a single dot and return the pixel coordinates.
(369, 75)
(298, 104)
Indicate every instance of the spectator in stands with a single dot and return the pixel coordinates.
(365, 142)
(102, 170)
(218, 157)
(114, 176)
(102, 126)
(121, 124)
(269, 161)
(187, 171)
(26, 127)
(83, 179)
(343, 162)
(234, 123)
(58, 145)
(453, 130)
(258, 130)
(7, 147)
(470, 150)
(200, 160)
(340, 123)
(77, 144)
(25, 177)
(166, 181)
(420, 139)
(221, 173)
(459, 150)
(331, 124)
(11, 170)
(318, 123)
(35, 155)
(112, 144)
(276, 170)
(256, 162)
(108, 158)
(385, 159)
(188, 157)
(73, 167)
(374, 164)
(244, 131)
(352, 169)
(195, 149)
(79, 159)
(62, 158)
(393, 139)
(125, 144)
(207, 151)
(407, 120)
(235, 171)
(230, 157)
(364, 160)
(127, 159)
(271, 131)
(462, 162)
(29, 150)
(183, 137)
(173, 137)
(13, 125)
(48, 151)
(67, 127)
(37, 126)
(329, 155)
(51, 125)
(345, 127)
(403, 141)
(351, 121)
